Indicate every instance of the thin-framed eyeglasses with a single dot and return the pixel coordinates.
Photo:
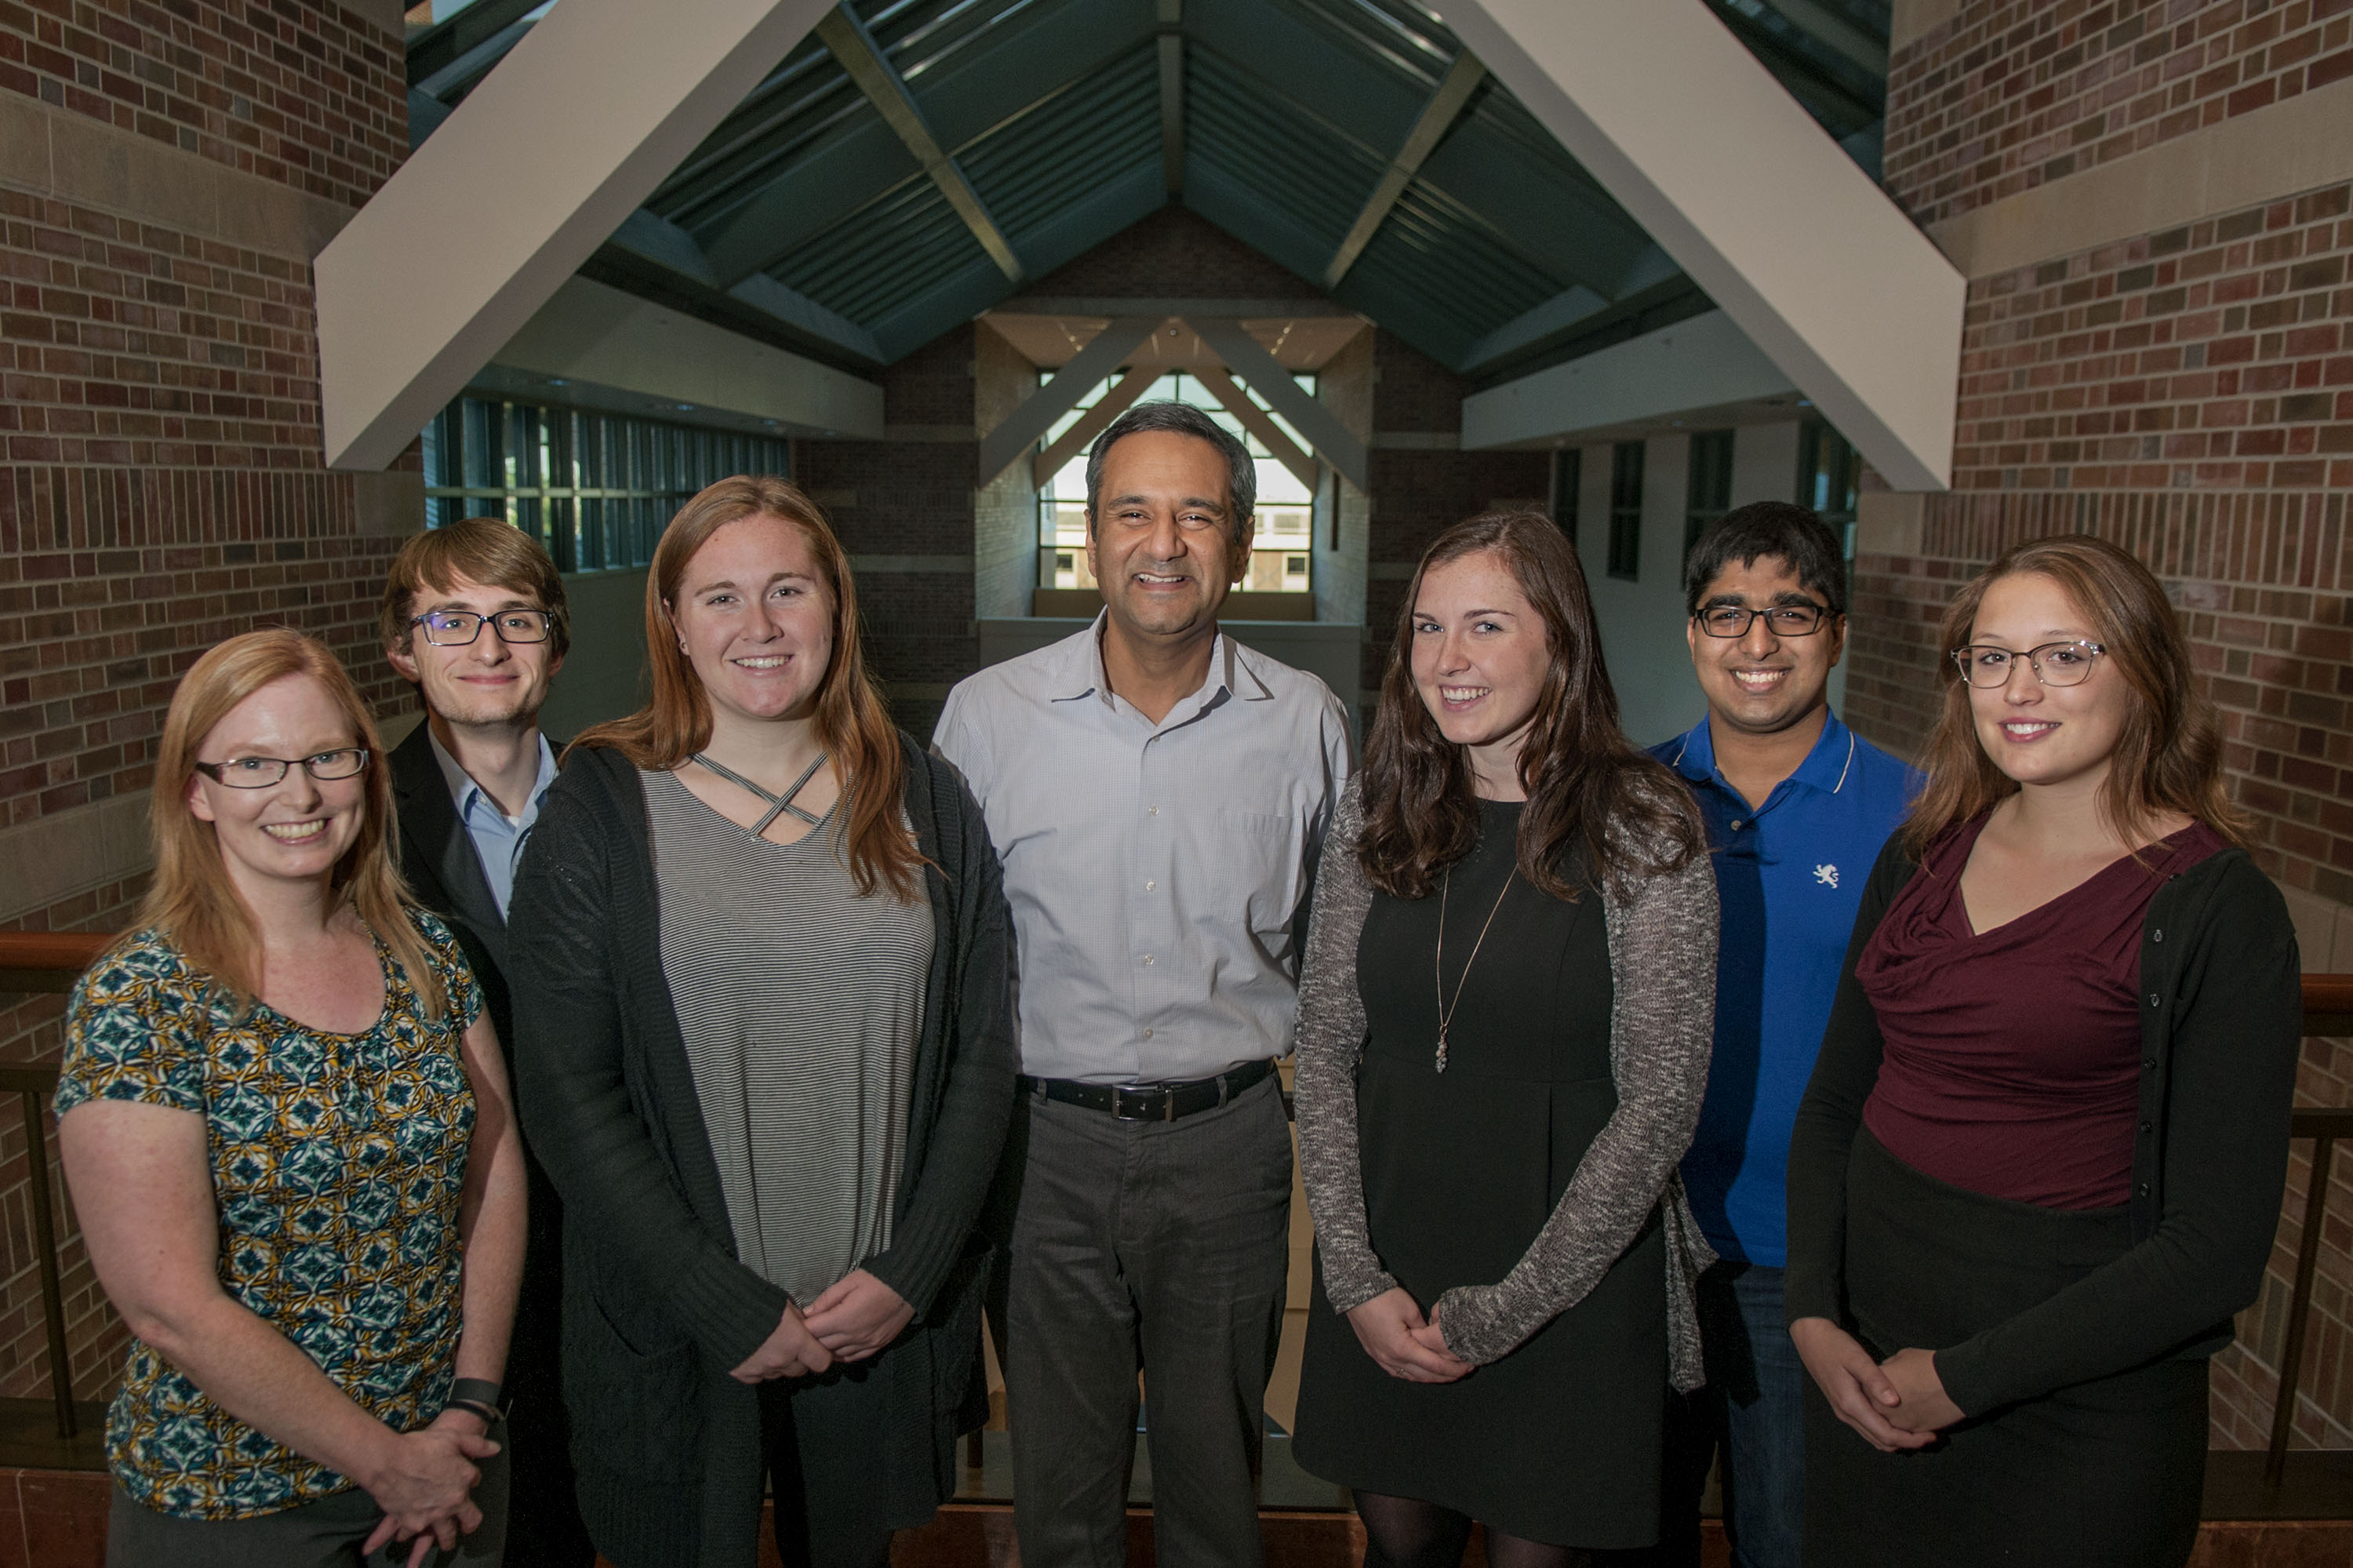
(2067, 663)
(456, 628)
(261, 772)
(1728, 620)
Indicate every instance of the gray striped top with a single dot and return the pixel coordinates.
(800, 1002)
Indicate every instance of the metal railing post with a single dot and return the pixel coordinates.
(45, 1230)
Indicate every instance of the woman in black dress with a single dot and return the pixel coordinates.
(2039, 1164)
(1492, 1095)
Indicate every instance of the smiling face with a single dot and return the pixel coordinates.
(1758, 682)
(489, 681)
(1162, 539)
(296, 829)
(756, 622)
(1480, 659)
(2040, 734)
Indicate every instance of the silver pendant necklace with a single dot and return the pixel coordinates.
(1446, 1010)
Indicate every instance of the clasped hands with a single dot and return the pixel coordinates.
(424, 1482)
(1896, 1405)
(855, 1316)
(1403, 1343)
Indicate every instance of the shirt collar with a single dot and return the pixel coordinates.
(464, 792)
(1081, 674)
(1826, 768)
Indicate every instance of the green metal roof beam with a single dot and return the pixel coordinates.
(1437, 117)
(436, 49)
(1835, 32)
(1171, 44)
(855, 48)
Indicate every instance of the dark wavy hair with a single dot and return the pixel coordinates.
(2168, 757)
(1587, 785)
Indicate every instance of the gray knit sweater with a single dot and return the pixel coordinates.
(1662, 1020)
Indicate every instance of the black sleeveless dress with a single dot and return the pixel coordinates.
(1559, 1442)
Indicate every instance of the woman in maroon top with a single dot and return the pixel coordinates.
(2039, 1163)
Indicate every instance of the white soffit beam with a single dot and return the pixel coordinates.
(1696, 364)
(1254, 419)
(1243, 355)
(1709, 154)
(543, 161)
(1035, 415)
(590, 332)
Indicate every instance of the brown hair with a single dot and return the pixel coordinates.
(191, 900)
(488, 550)
(852, 724)
(2168, 757)
(1584, 780)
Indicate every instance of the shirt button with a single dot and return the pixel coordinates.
(1737, 824)
(1147, 1034)
(2149, 1062)
(1149, 884)
(1151, 811)
(1147, 960)
(2152, 999)
(2144, 1127)
(2143, 1190)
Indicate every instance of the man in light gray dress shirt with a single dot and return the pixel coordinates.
(1158, 794)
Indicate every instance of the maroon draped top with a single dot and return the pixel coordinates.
(2012, 1059)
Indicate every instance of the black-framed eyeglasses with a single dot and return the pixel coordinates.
(1780, 620)
(456, 628)
(2066, 663)
(261, 772)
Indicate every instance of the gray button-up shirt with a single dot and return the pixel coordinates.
(1158, 875)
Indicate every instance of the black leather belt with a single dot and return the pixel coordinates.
(1151, 1102)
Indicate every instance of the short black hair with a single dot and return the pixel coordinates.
(1241, 469)
(1797, 536)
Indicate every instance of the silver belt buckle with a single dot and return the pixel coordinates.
(1119, 1103)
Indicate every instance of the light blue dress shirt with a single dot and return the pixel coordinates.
(498, 838)
(1158, 874)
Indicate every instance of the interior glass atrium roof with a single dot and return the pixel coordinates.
(809, 218)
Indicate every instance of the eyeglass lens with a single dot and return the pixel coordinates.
(456, 628)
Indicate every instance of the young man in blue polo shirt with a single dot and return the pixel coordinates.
(1797, 807)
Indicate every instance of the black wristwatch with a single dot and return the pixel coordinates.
(477, 1396)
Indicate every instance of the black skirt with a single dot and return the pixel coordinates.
(2106, 1474)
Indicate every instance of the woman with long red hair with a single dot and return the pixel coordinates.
(2038, 1167)
(765, 1055)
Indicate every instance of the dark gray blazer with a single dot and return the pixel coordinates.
(657, 1308)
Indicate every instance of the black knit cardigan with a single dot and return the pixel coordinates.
(657, 1309)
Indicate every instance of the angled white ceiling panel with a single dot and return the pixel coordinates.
(575, 127)
(1695, 138)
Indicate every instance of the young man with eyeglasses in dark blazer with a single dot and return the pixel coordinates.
(473, 616)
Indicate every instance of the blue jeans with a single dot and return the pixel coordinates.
(1752, 1410)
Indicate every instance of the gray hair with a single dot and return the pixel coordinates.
(1241, 469)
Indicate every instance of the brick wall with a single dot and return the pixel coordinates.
(1173, 254)
(161, 485)
(310, 95)
(2012, 93)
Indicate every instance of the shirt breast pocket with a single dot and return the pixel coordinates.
(1264, 850)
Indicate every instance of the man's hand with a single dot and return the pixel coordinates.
(1859, 1392)
(425, 1483)
(1387, 1327)
(1926, 1406)
(791, 1351)
(857, 1315)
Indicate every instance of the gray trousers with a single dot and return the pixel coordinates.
(324, 1534)
(1164, 1246)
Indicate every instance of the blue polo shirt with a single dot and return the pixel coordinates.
(1789, 879)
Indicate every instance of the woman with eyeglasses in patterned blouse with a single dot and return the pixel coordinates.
(289, 1137)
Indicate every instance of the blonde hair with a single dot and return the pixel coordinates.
(191, 900)
(852, 724)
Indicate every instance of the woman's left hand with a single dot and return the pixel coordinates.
(857, 1315)
(1927, 1407)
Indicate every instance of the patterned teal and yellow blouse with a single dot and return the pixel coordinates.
(337, 1163)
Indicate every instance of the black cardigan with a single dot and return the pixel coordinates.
(2221, 1014)
(657, 1308)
